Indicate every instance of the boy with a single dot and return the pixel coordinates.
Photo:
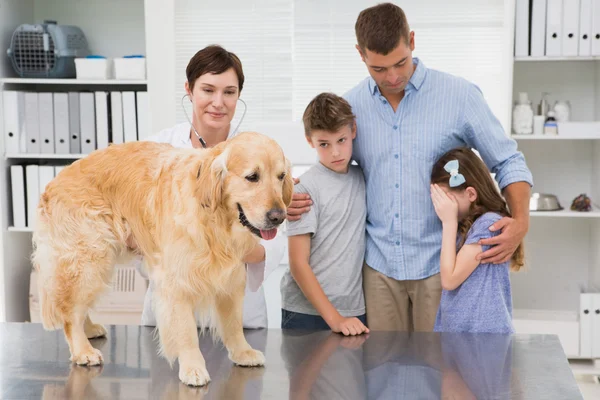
(323, 287)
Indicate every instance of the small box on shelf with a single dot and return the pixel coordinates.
(94, 68)
(130, 68)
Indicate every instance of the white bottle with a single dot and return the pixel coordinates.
(523, 116)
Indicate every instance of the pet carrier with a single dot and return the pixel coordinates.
(47, 50)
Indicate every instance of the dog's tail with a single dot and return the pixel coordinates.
(42, 259)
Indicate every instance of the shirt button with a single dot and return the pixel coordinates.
(384, 101)
(395, 155)
(397, 243)
(396, 215)
(395, 126)
(397, 186)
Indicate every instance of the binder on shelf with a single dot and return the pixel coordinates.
(595, 335)
(585, 28)
(87, 119)
(585, 324)
(61, 123)
(116, 117)
(46, 112)
(32, 185)
(32, 122)
(554, 30)
(74, 124)
(101, 120)
(143, 115)
(522, 28)
(129, 117)
(17, 180)
(570, 31)
(596, 27)
(57, 169)
(538, 28)
(15, 140)
(46, 175)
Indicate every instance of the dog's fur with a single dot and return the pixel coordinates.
(181, 208)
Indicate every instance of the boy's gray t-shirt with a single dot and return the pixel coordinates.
(337, 222)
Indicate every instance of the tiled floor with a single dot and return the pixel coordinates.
(589, 386)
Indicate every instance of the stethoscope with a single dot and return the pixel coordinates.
(202, 142)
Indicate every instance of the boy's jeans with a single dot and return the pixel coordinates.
(294, 320)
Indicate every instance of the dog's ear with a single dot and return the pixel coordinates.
(211, 178)
(288, 184)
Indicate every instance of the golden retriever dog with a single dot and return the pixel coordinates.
(193, 215)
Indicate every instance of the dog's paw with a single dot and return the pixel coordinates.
(95, 331)
(248, 358)
(194, 375)
(88, 357)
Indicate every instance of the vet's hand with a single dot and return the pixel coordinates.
(505, 244)
(131, 243)
(446, 206)
(301, 203)
(349, 326)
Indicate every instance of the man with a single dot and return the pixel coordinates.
(408, 116)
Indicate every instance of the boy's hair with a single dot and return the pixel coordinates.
(488, 199)
(380, 28)
(213, 59)
(328, 112)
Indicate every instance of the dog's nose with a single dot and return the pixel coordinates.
(276, 216)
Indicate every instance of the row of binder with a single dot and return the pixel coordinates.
(73, 122)
(27, 184)
(557, 28)
(589, 325)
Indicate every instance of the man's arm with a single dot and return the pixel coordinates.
(484, 133)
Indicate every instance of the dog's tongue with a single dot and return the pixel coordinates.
(268, 235)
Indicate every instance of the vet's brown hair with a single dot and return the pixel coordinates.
(213, 59)
(328, 112)
(380, 28)
(488, 199)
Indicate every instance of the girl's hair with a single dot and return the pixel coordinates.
(488, 199)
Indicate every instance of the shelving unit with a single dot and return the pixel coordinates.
(113, 29)
(562, 256)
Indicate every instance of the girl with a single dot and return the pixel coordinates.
(475, 298)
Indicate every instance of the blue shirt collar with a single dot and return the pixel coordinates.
(415, 82)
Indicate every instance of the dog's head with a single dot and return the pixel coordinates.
(250, 178)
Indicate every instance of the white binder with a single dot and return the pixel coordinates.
(101, 120)
(596, 27)
(87, 120)
(32, 122)
(46, 123)
(32, 181)
(129, 117)
(15, 140)
(554, 23)
(585, 28)
(570, 33)
(17, 180)
(538, 28)
(61, 123)
(143, 115)
(522, 28)
(46, 175)
(585, 324)
(116, 117)
(595, 335)
(74, 124)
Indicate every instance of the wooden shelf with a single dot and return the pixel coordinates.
(42, 156)
(13, 229)
(544, 58)
(45, 81)
(566, 214)
(556, 137)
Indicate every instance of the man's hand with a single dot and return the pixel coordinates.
(301, 203)
(513, 232)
